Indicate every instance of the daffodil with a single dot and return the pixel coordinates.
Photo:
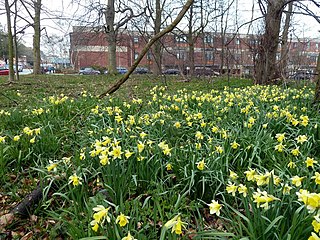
(233, 175)
(215, 207)
(310, 162)
(75, 180)
(219, 149)
(116, 152)
(101, 214)
(201, 165)
(280, 137)
(176, 224)
(140, 146)
(15, 138)
(316, 225)
(169, 167)
(295, 152)
(316, 178)
(242, 189)
(314, 237)
(199, 135)
(296, 180)
(286, 189)
(232, 188)
(32, 140)
(250, 174)
(143, 135)
(234, 145)
(291, 164)
(128, 154)
(52, 166)
(2, 139)
(301, 139)
(177, 228)
(122, 220)
(128, 237)
(279, 147)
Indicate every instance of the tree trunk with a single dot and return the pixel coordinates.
(111, 37)
(16, 41)
(191, 43)
(157, 45)
(10, 42)
(222, 57)
(36, 38)
(267, 68)
(284, 42)
(317, 90)
(146, 48)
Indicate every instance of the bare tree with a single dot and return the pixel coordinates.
(168, 29)
(284, 41)
(267, 69)
(10, 41)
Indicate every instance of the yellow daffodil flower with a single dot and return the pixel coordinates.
(122, 220)
(201, 165)
(215, 207)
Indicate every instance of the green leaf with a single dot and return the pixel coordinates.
(271, 225)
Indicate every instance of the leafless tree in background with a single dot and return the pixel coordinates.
(10, 40)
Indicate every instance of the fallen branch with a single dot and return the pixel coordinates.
(23, 209)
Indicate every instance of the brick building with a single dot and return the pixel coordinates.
(236, 53)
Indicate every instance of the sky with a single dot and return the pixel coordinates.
(304, 26)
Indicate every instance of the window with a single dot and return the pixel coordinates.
(209, 56)
(317, 45)
(136, 55)
(181, 39)
(238, 41)
(308, 45)
(208, 39)
(180, 55)
(135, 39)
(149, 55)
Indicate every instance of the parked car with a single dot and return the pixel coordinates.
(171, 71)
(205, 71)
(301, 75)
(141, 70)
(4, 70)
(20, 67)
(121, 70)
(88, 71)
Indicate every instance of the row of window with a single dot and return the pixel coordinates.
(183, 39)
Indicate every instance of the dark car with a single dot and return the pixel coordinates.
(141, 70)
(88, 71)
(205, 71)
(120, 70)
(171, 71)
(4, 70)
(301, 75)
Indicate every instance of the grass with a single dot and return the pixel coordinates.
(161, 158)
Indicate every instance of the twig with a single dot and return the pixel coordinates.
(10, 98)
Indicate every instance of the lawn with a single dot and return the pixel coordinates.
(159, 159)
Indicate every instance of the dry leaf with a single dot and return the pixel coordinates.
(5, 220)
(28, 236)
(33, 218)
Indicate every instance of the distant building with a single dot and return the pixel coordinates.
(234, 53)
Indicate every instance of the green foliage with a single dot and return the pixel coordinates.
(158, 161)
